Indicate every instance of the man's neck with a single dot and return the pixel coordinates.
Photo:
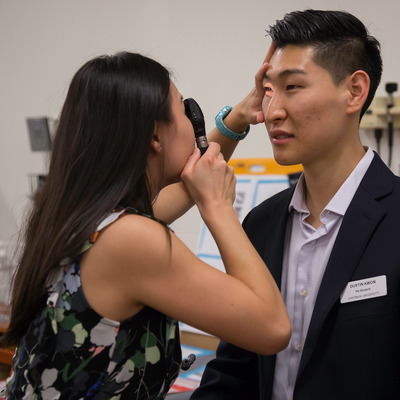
(323, 181)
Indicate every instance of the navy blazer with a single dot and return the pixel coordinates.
(352, 350)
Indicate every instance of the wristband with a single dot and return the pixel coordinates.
(219, 122)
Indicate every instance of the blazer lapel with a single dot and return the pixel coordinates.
(275, 237)
(359, 222)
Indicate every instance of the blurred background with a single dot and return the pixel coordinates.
(213, 48)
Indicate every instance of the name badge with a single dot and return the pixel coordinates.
(364, 289)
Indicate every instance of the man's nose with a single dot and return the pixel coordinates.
(274, 109)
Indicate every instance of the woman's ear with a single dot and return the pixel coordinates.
(358, 89)
(155, 144)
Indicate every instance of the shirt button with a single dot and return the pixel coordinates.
(298, 347)
(304, 292)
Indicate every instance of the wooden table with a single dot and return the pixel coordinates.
(199, 340)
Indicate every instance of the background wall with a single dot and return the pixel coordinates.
(213, 47)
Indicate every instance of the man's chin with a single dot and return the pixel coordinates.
(285, 161)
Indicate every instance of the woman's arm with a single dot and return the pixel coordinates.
(173, 201)
(153, 268)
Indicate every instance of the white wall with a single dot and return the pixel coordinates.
(214, 48)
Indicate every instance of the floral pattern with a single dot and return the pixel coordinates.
(71, 352)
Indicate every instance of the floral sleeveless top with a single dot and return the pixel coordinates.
(71, 352)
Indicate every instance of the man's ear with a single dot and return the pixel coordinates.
(358, 89)
(155, 144)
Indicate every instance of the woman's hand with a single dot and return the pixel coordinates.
(209, 180)
(250, 106)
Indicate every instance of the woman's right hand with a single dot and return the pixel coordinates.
(209, 180)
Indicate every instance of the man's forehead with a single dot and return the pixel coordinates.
(284, 73)
(293, 49)
(290, 60)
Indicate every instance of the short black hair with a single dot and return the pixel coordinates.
(341, 42)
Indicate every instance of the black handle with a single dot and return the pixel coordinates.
(196, 117)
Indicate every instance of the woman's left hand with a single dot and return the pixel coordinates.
(251, 105)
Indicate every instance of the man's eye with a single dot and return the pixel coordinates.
(269, 90)
(291, 87)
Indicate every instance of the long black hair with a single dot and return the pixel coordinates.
(341, 42)
(98, 162)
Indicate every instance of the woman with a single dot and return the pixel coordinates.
(102, 281)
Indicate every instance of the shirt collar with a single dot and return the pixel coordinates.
(341, 200)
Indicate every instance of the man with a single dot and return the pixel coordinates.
(332, 242)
